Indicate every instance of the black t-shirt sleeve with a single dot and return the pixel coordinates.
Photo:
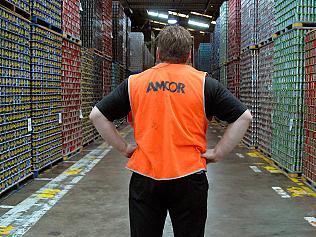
(116, 105)
(220, 102)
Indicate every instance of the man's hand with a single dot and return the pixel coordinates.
(129, 150)
(210, 156)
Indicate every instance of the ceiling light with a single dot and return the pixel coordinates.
(163, 16)
(151, 13)
(197, 23)
(199, 14)
(158, 22)
(213, 22)
(172, 21)
(178, 14)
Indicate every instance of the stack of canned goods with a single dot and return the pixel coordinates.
(234, 29)
(265, 74)
(87, 94)
(48, 10)
(293, 11)
(71, 97)
(223, 48)
(46, 96)
(233, 77)
(248, 91)
(107, 27)
(91, 24)
(309, 155)
(288, 86)
(15, 106)
(22, 4)
(71, 17)
(265, 19)
(249, 18)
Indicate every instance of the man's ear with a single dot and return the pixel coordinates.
(157, 54)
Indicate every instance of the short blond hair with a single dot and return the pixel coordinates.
(174, 44)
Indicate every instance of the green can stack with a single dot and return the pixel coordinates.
(288, 87)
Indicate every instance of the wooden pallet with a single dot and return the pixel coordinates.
(97, 52)
(287, 172)
(265, 42)
(42, 22)
(72, 39)
(50, 165)
(309, 183)
(15, 9)
(296, 25)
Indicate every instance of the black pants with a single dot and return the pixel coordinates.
(185, 199)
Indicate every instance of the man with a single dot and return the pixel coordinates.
(170, 104)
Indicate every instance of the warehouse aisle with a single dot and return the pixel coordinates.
(94, 202)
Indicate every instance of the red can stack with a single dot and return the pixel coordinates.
(71, 18)
(71, 98)
(234, 37)
(107, 46)
(309, 154)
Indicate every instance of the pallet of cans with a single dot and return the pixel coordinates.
(137, 42)
(149, 59)
(91, 90)
(15, 104)
(91, 24)
(119, 33)
(71, 98)
(118, 75)
(21, 7)
(46, 60)
(223, 48)
(309, 155)
(107, 27)
(223, 75)
(234, 29)
(204, 57)
(233, 77)
(266, 19)
(248, 92)
(215, 49)
(47, 11)
(128, 42)
(71, 18)
(107, 76)
(265, 100)
(288, 86)
(249, 22)
(291, 12)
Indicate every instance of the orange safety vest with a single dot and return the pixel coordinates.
(169, 121)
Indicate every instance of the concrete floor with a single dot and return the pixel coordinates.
(241, 201)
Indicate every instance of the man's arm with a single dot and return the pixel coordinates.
(114, 106)
(221, 103)
(231, 138)
(109, 133)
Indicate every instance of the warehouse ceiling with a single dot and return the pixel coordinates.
(137, 10)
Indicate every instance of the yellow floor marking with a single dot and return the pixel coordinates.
(252, 154)
(73, 171)
(273, 170)
(9, 228)
(4, 232)
(260, 163)
(300, 192)
(49, 193)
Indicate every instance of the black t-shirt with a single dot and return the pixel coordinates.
(219, 102)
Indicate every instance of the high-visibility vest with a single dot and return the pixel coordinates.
(169, 121)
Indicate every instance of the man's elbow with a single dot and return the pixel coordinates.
(247, 116)
(95, 113)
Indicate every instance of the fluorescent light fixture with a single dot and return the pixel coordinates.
(178, 14)
(199, 24)
(158, 22)
(199, 14)
(172, 21)
(213, 22)
(151, 13)
(163, 16)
